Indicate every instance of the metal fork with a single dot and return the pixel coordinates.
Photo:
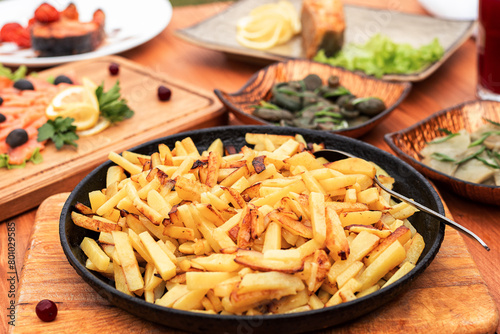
(334, 155)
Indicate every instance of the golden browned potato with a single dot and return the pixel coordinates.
(269, 229)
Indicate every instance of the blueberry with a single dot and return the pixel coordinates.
(1, 101)
(23, 84)
(17, 137)
(2, 118)
(62, 78)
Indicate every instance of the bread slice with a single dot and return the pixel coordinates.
(323, 26)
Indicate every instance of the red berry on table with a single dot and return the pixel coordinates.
(114, 68)
(164, 93)
(46, 310)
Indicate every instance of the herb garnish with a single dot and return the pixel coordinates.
(112, 106)
(60, 130)
(265, 104)
(443, 139)
(14, 76)
(442, 157)
(494, 156)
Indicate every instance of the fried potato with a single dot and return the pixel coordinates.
(95, 254)
(97, 225)
(128, 261)
(268, 229)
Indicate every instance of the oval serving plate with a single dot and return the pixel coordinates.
(408, 180)
(258, 88)
(408, 143)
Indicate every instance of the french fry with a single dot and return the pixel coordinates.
(255, 138)
(318, 220)
(218, 262)
(191, 300)
(269, 281)
(95, 253)
(120, 282)
(292, 225)
(83, 209)
(165, 266)
(265, 230)
(402, 234)
(415, 248)
(360, 218)
(405, 268)
(97, 198)
(94, 224)
(336, 240)
(178, 232)
(256, 261)
(128, 261)
(206, 280)
(124, 163)
(390, 258)
(353, 166)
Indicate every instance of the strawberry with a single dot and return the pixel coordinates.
(46, 13)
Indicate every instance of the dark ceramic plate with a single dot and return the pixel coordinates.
(408, 143)
(259, 86)
(408, 181)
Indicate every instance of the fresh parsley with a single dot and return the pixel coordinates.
(112, 106)
(60, 130)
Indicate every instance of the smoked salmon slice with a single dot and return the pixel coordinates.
(18, 155)
(25, 110)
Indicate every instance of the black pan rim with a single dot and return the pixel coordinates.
(114, 295)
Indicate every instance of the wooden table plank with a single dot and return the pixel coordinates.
(437, 301)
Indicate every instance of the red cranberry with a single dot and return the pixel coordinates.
(46, 310)
(164, 93)
(114, 68)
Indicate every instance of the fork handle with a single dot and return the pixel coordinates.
(425, 209)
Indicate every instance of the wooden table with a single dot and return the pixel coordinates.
(453, 83)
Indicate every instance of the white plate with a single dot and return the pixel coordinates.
(129, 23)
(452, 9)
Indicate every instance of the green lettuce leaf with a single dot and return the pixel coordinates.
(380, 55)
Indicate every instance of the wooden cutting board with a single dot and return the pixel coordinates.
(189, 108)
(449, 297)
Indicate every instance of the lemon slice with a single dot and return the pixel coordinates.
(101, 125)
(78, 102)
(85, 116)
(90, 88)
(265, 44)
(268, 25)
